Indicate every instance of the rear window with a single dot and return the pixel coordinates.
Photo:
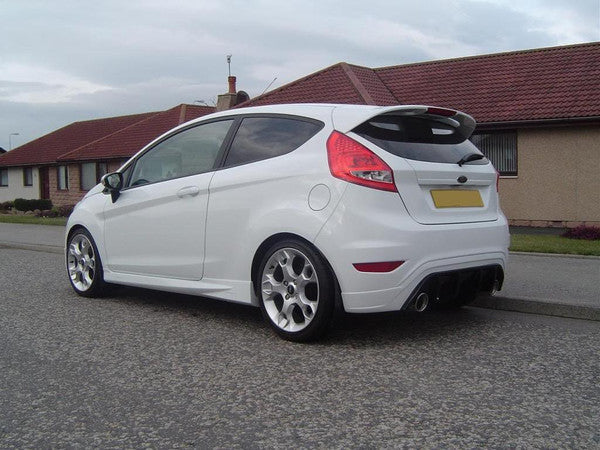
(266, 137)
(418, 138)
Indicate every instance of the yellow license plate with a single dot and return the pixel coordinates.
(456, 198)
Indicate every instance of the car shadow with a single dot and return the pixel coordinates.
(347, 329)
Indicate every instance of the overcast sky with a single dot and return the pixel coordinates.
(63, 61)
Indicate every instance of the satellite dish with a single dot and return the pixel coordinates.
(241, 97)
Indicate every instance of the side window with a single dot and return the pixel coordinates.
(189, 152)
(266, 137)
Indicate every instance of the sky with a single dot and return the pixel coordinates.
(63, 61)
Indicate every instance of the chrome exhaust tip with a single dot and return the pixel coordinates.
(421, 302)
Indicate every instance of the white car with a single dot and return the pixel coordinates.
(300, 209)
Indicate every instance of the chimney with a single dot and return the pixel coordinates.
(228, 100)
(231, 81)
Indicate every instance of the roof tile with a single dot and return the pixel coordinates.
(128, 141)
(46, 149)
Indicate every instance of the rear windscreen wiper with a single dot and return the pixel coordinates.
(470, 157)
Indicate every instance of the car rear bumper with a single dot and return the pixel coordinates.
(380, 230)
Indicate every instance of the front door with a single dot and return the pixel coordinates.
(44, 183)
(156, 226)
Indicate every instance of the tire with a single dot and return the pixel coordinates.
(296, 290)
(84, 266)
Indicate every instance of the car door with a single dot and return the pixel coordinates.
(156, 226)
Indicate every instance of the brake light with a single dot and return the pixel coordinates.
(386, 266)
(441, 111)
(353, 162)
(497, 181)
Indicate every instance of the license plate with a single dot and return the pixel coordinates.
(456, 198)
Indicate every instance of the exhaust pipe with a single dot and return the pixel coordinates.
(421, 302)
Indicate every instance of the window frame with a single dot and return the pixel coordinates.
(502, 173)
(25, 171)
(4, 170)
(58, 178)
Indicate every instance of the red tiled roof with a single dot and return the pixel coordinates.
(550, 83)
(330, 85)
(540, 84)
(127, 141)
(46, 149)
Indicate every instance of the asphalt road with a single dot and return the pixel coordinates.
(141, 369)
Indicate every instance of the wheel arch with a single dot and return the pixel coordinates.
(264, 246)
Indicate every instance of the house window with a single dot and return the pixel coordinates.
(27, 176)
(500, 148)
(91, 174)
(62, 181)
(4, 177)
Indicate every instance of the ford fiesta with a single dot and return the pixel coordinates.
(298, 210)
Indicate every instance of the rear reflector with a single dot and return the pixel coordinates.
(386, 266)
(353, 162)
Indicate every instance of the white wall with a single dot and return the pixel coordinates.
(15, 188)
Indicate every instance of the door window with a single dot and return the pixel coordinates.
(188, 152)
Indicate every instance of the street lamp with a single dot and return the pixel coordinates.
(10, 140)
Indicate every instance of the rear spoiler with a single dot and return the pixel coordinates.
(346, 119)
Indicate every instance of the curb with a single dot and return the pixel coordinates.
(33, 247)
(531, 306)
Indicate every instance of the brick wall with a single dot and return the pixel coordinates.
(74, 193)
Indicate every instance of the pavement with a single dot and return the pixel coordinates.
(555, 285)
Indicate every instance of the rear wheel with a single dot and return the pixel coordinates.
(84, 265)
(296, 291)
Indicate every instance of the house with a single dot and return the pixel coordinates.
(538, 114)
(63, 165)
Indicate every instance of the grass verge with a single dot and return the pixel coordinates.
(540, 243)
(8, 218)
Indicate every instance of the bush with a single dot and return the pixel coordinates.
(65, 210)
(583, 232)
(57, 211)
(22, 204)
(6, 206)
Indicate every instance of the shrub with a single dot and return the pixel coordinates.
(22, 204)
(6, 206)
(65, 210)
(583, 232)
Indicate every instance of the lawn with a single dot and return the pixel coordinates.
(8, 218)
(543, 243)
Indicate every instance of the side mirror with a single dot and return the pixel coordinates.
(113, 182)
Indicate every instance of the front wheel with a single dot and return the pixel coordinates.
(83, 264)
(296, 291)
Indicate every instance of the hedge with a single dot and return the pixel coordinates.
(21, 204)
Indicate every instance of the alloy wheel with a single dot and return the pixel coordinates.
(290, 289)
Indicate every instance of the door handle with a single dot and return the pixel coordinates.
(188, 191)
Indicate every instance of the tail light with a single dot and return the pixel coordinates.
(497, 181)
(355, 163)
